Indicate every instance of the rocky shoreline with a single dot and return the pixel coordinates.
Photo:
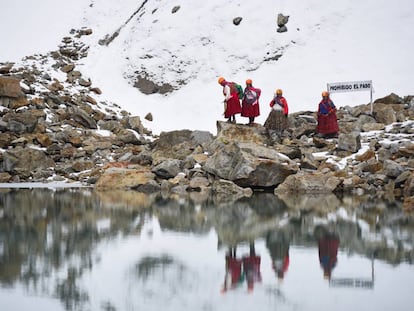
(59, 130)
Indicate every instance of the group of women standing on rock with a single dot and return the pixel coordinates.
(278, 116)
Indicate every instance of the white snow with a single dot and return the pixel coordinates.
(327, 41)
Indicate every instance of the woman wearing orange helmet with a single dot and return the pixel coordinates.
(327, 121)
(278, 116)
(231, 99)
(250, 102)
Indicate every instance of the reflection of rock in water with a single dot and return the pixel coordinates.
(43, 230)
(239, 223)
(311, 202)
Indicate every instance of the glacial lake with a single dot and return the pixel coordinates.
(77, 249)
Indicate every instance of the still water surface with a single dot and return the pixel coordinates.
(74, 249)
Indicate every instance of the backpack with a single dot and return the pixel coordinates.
(239, 90)
(250, 96)
(236, 88)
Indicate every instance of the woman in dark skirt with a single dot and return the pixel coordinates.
(278, 116)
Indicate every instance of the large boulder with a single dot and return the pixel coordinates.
(10, 87)
(315, 182)
(241, 133)
(19, 123)
(349, 142)
(385, 113)
(179, 144)
(24, 161)
(124, 177)
(250, 165)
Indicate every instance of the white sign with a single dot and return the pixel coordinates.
(350, 86)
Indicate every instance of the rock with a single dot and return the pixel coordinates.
(179, 144)
(367, 127)
(168, 169)
(85, 32)
(227, 132)
(249, 164)
(237, 20)
(136, 124)
(293, 152)
(89, 99)
(148, 117)
(198, 183)
(150, 187)
(10, 87)
(282, 20)
(5, 177)
(19, 123)
(82, 117)
(67, 68)
(147, 86)
(369, 154)
(96, 90)
(402, 178)
(408, 204)
(392, 169)
(85, 83)
(5, 138)
(175, 9)
(79, 166)
(392, 99)
(406, 151)
(144, 158)
(5, 68)
(302, 124)
(349, 142)
(110, 125)
(309, 162)
(409, 186)
(22, 161)
(229, 188)
(282, 29)
(371, 165)
(301, 182)
(121, 176)
(383, 114)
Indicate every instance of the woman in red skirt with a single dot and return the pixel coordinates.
(231, 100)
(327, 122)
(250, 102)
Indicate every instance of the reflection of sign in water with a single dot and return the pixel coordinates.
(364, 283)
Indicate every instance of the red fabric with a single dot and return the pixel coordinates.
(327, 124)
(233, 103)
(251, 110)
(328, 251)
(282, 101)
(234, 265)
(251, 266)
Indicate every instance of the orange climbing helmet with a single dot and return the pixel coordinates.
(221, 80)
(325, 94)
(279, 92)
(249, 81)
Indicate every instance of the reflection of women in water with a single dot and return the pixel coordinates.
(233, 276)
(251, 268)
(278, 244)
(328, 251)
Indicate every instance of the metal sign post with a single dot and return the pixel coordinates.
(353, 86)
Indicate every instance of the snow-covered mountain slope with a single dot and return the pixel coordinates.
(326, 41)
